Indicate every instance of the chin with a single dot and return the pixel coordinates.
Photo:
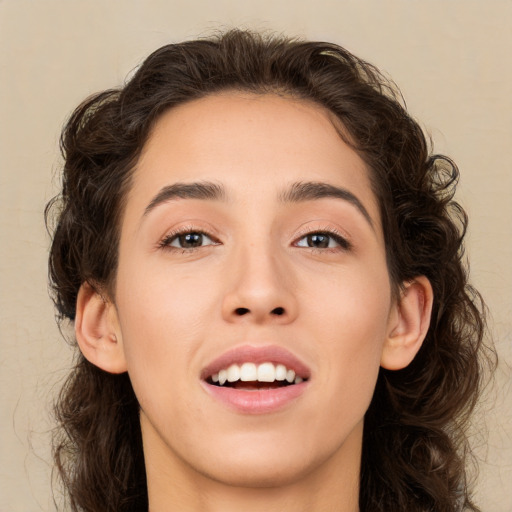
(251, 473)
(264, 461)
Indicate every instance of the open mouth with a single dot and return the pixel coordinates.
(255, 377)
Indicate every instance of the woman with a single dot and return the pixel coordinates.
(263, 264)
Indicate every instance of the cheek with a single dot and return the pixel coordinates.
(162, 322)
(158, 304)
(352, 316)
(354, 302)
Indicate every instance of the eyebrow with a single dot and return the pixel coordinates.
(200, 190)
(296, 193)
(311, 190)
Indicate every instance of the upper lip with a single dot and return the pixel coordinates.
(257, 355)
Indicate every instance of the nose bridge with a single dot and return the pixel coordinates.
(260, 285)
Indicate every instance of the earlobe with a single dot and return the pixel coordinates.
(97, 330)
(409, 323)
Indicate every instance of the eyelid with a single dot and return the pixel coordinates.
(341, 238)
(165, 241)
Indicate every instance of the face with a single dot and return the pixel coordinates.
(251, 251)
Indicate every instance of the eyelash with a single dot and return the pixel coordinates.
(333, 234)
(166, 242)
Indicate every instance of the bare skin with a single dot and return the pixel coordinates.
(269, 267)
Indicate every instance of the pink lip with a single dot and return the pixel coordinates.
(257, 355)
(262, 401)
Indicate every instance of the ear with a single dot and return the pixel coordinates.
(97, 330)
(408, 324)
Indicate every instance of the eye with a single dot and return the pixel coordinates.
(323, 240)
(187, 240)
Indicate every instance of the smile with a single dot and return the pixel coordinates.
(256, 380)
(251, 376)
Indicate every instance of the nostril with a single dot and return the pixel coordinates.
(241, 311)
(278, 311)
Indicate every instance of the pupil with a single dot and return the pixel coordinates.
(191, 240)
(317, 240)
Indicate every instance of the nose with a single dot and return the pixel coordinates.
(260, 288)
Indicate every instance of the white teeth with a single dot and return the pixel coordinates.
(280, 372)
(250, 372)
(266, 372)
(233, 373)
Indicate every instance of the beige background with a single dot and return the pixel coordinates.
(452, 59)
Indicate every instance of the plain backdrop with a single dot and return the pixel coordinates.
(452, 60)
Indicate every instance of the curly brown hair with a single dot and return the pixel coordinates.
(415, 449)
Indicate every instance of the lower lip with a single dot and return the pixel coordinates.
(262, 401)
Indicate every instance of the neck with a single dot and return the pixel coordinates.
(332, 486)
(230, 499)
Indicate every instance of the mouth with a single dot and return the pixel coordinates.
(249, 376)
(256, 380)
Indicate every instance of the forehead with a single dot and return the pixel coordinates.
(252, 143)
